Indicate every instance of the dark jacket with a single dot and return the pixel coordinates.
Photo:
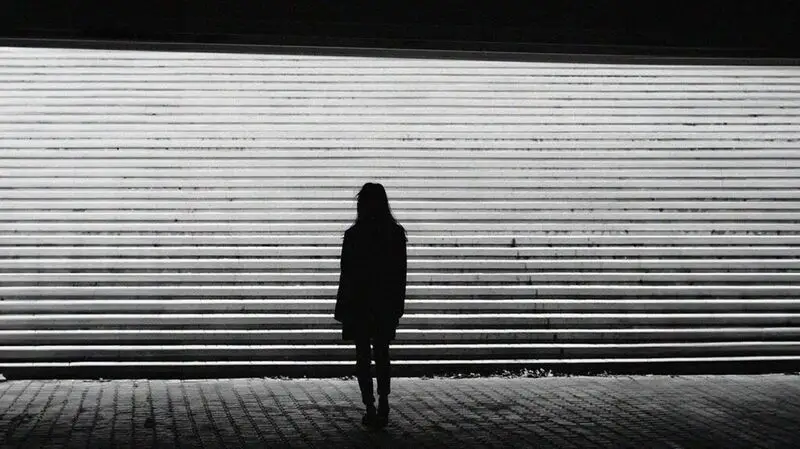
(372, 283)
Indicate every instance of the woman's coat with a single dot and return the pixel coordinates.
(372, 283)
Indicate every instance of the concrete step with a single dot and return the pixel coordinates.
(412, 292)
(346, 170)
(393, 114)
(406, 206)
(156, 133)
(375, 68)
(387, 83)
(95, 91)
(400, 193)
(342, 218)
(343, 352)
(690, 106)
(608, 321)
(443, 239)
(404, 335)
(740, 226)
(463, 265)
(371, 67)
(425, 306)
(574, 182)
(323, 74)
(475, 171)
(460, 252)
(420, 144)
(449, 120)
(222, 153)
(306, 103)
(414, 278)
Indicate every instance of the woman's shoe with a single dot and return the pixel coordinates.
(381, 421)
(370, 418)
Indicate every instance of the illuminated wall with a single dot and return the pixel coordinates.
(186, 209)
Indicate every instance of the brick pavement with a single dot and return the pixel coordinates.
(729, 411)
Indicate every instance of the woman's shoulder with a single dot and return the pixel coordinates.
(356, 229)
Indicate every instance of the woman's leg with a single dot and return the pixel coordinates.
(382, 366)
(363, 371)
(384, 375)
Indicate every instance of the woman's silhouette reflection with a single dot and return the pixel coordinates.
(371, 295)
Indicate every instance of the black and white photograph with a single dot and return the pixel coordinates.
(419, 224)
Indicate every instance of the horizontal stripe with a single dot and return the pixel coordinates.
(430, 306)
(444, 173)
(458, 105)
(312, 206)
(347, 182)
(431, 109)
(710, 264)
(407, 216)
(419, 336)
(321, 74)
(677, 227)
(332, 277)
(400, 194)
(280, 291)
(214, 141)
(335, 239)
(298, 157)
(387, 84)
(488, 119)
(517, 252)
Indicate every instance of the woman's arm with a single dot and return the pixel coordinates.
(344, 294)
(401, 277)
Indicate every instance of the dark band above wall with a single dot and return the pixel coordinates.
(698, 28)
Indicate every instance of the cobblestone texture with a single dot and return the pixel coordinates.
(636, 412)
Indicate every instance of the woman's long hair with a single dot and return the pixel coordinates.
(373, 205)
(373, 209)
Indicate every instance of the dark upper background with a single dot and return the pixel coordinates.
(732, 28)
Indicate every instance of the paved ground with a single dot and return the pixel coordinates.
(636, 412)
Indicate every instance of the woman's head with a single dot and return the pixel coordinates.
(373, 205)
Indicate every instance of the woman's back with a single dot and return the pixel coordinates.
(379, 264)
(373, 268)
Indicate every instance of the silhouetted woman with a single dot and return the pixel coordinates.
(371, 295)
